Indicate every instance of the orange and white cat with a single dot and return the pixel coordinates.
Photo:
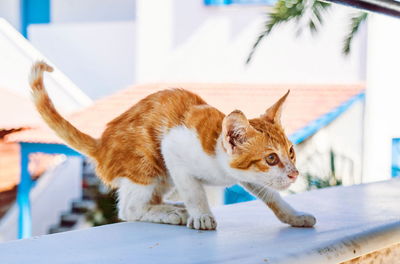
(174, 138)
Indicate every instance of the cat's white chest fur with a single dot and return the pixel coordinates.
(182, 151)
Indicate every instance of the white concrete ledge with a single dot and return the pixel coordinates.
(352, 221)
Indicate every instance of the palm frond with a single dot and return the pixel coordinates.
(286, 11)
(356, 21)
(283, 11)
(318, 8)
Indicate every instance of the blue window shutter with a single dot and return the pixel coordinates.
(217, 2)
(34, 12)
(395, 157)
(236, 194)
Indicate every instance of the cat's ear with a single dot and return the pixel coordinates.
(273, 114)
(236, 130)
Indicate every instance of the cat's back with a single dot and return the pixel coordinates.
(131, 143)
(165, 108)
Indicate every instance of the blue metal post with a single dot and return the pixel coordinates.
(33, 12)
(23, 17)
(24, 188)
(25, 185)
(395, 157)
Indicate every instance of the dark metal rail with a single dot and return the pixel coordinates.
(387, 7)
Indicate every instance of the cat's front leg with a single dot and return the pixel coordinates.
(192, 192)
(281, 209)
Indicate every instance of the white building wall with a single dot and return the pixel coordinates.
(16, 58)
(154, 38)
(98, 57)
(382, 98)
(10, 11)
(345, 137)
(210, 44)
(67, 11)
(186, 41)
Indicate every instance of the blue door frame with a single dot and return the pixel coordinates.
(26, 183)
(395, 157)
(33, 12)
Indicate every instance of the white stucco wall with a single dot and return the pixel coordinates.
(344, 136)
(98, 57)
(65, 11)
(186, 41)
(210, 44)
(10, 11)
(16, 58)
(382, 98)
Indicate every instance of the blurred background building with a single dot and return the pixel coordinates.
(342, 112)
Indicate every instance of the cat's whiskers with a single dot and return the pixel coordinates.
(260, 189)
(263, 194)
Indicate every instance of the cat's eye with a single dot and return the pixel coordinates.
(272, 159)
(291, 152)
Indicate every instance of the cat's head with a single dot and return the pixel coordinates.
(258, 149)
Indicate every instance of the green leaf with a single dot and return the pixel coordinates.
(312, 26)
(281, 13)
(285, 11)
(356, 21)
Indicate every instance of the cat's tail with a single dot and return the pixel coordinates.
(64, 129)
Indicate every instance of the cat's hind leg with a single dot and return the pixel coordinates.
(138, 202)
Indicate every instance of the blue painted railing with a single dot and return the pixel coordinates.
(26, 183)
(395, 157)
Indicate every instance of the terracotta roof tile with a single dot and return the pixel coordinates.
(10, 165)
(16, 111)
(305, 104)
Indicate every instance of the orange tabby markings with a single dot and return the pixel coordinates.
(174, 138)
(206, 121)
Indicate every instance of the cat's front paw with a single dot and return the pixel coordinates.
(202, 222)
(178, 216)
(302, 220)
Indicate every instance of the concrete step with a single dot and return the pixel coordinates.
(82, 206)
(58, 229)
(91, 182)
(69, 219)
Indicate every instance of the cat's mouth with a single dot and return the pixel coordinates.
(284, 185)
(292, 180)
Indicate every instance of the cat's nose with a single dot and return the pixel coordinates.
(293, 174)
